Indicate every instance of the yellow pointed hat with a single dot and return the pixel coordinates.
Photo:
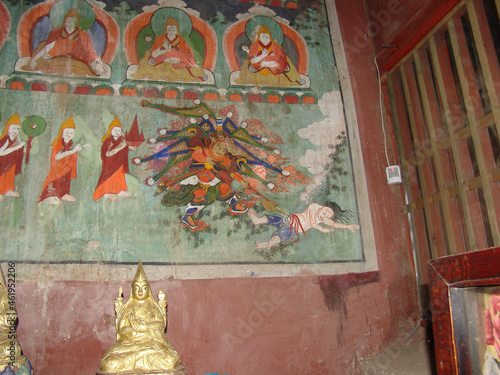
(171, 22)
(140, 275)
(14, 119)
(114, 124)
(264, 30)
(69, 123)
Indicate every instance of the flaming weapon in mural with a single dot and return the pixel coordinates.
(178, 150)
(32, 126)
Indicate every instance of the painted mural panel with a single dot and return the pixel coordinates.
(176, 132)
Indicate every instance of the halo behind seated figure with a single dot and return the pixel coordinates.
(68, 50)
(267, 63)
(170, 58)
(141, 346)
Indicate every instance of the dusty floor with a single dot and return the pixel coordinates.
(412, 357)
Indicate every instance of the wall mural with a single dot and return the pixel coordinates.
(176, 132)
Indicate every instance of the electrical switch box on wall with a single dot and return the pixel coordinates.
(393, 174)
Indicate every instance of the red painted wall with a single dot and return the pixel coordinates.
(303, 325)
(397, 25)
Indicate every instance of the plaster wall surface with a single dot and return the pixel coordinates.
(302, 325)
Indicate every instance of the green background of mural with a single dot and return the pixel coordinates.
(139, 227)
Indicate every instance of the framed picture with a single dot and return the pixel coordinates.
(465, 305)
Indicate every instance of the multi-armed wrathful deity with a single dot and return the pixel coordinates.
(141, 346)
(11, 359)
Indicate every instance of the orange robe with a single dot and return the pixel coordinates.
(62, 171)
(112, 178)
(275, 53)
(225, 170)
(10, 165)
(180, 50)
(77, 45)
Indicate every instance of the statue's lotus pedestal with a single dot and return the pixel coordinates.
(17, 369)
(173, 372)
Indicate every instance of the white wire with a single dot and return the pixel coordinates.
(381, 111)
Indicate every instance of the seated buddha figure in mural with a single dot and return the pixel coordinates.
(170, 58)
(67, 42)
(267, 63)
(141, 345)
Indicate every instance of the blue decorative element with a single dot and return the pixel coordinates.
(185, 136)
(98, 37)
(8, 371)
(25, 369)
(41, 31)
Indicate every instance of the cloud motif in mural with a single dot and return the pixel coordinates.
(96, 3)
(314, 161)
(259, 10)
(324, 135)
(173, 4)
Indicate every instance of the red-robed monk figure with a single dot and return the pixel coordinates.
(114, 155)
(170, 58)
(11, 157)
(63, 162)
(69, 40)
(267, 63)
(171, 47)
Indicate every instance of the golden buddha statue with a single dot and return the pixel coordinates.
(141, 346)
(10, 350)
